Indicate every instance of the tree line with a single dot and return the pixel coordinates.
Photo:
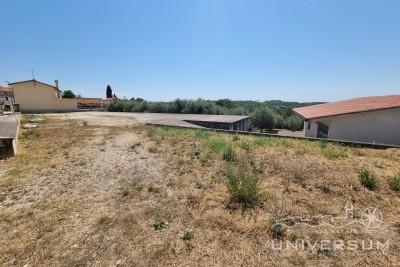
(265, 115)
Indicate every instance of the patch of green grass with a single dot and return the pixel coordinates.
(151, 131)
(261, 141)
(246, 145)
(243, 185)
(216, 145)
(368, 180)
(229, 153)
(394, 183)
(333, 151)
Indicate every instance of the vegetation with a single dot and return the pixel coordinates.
(159, 224)
(109, 93)
(394, 183)
(268, 114)
(367, 179)
(229, 153)
(263, 118)
(277, 230)
(68, 94)
(172, 204)
(243, 185)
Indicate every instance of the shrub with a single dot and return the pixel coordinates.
(277, 230)
(235, 138)
(187, 236)
(394, 183)
(159, 224)
(243, 185)
(229, 153)
(367, 179)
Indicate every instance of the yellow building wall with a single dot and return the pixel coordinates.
(37, 97)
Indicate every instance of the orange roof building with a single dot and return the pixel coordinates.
(374, 119)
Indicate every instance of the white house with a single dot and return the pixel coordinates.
(374, 119)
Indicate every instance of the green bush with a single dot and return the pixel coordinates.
(243, 185)
(263, 118)
(229, 153)
(277, 230)
(367, 179)
(394, 183)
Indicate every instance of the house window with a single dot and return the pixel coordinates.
(308, 125)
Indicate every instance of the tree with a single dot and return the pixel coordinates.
(263, 118)
(109, 93)
(68, 94)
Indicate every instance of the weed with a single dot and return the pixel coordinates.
(151, 132)
(153, 189)
(104, 221)
(326, 189)
(245, 145)
(159, 224)
(235, 138)
(332, 151)
(195, 152)
(367, 179)
(199, 185)
(187, 236)
(153, 149)
(135, 145)
(243, 185)
(229, 153)
(84, 123)
(31, 134)
(216, 145)
(277, 229)
(125, 192)
(394, 183)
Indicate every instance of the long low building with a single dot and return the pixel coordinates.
(373, 119)
(225, 122)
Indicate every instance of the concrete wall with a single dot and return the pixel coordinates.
(38, 97)
(372, 127)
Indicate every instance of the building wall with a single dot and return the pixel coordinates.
(372, 127)
(310, 128)
(38, 97)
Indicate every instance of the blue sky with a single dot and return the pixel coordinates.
(299, 50)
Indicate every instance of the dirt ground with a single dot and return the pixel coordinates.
(90, 190)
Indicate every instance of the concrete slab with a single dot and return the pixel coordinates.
(9, 125)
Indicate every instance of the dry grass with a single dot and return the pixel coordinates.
(87, 195)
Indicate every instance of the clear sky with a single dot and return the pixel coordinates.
(300, 50)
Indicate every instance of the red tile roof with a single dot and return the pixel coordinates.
(5, 89)
(355, 105)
